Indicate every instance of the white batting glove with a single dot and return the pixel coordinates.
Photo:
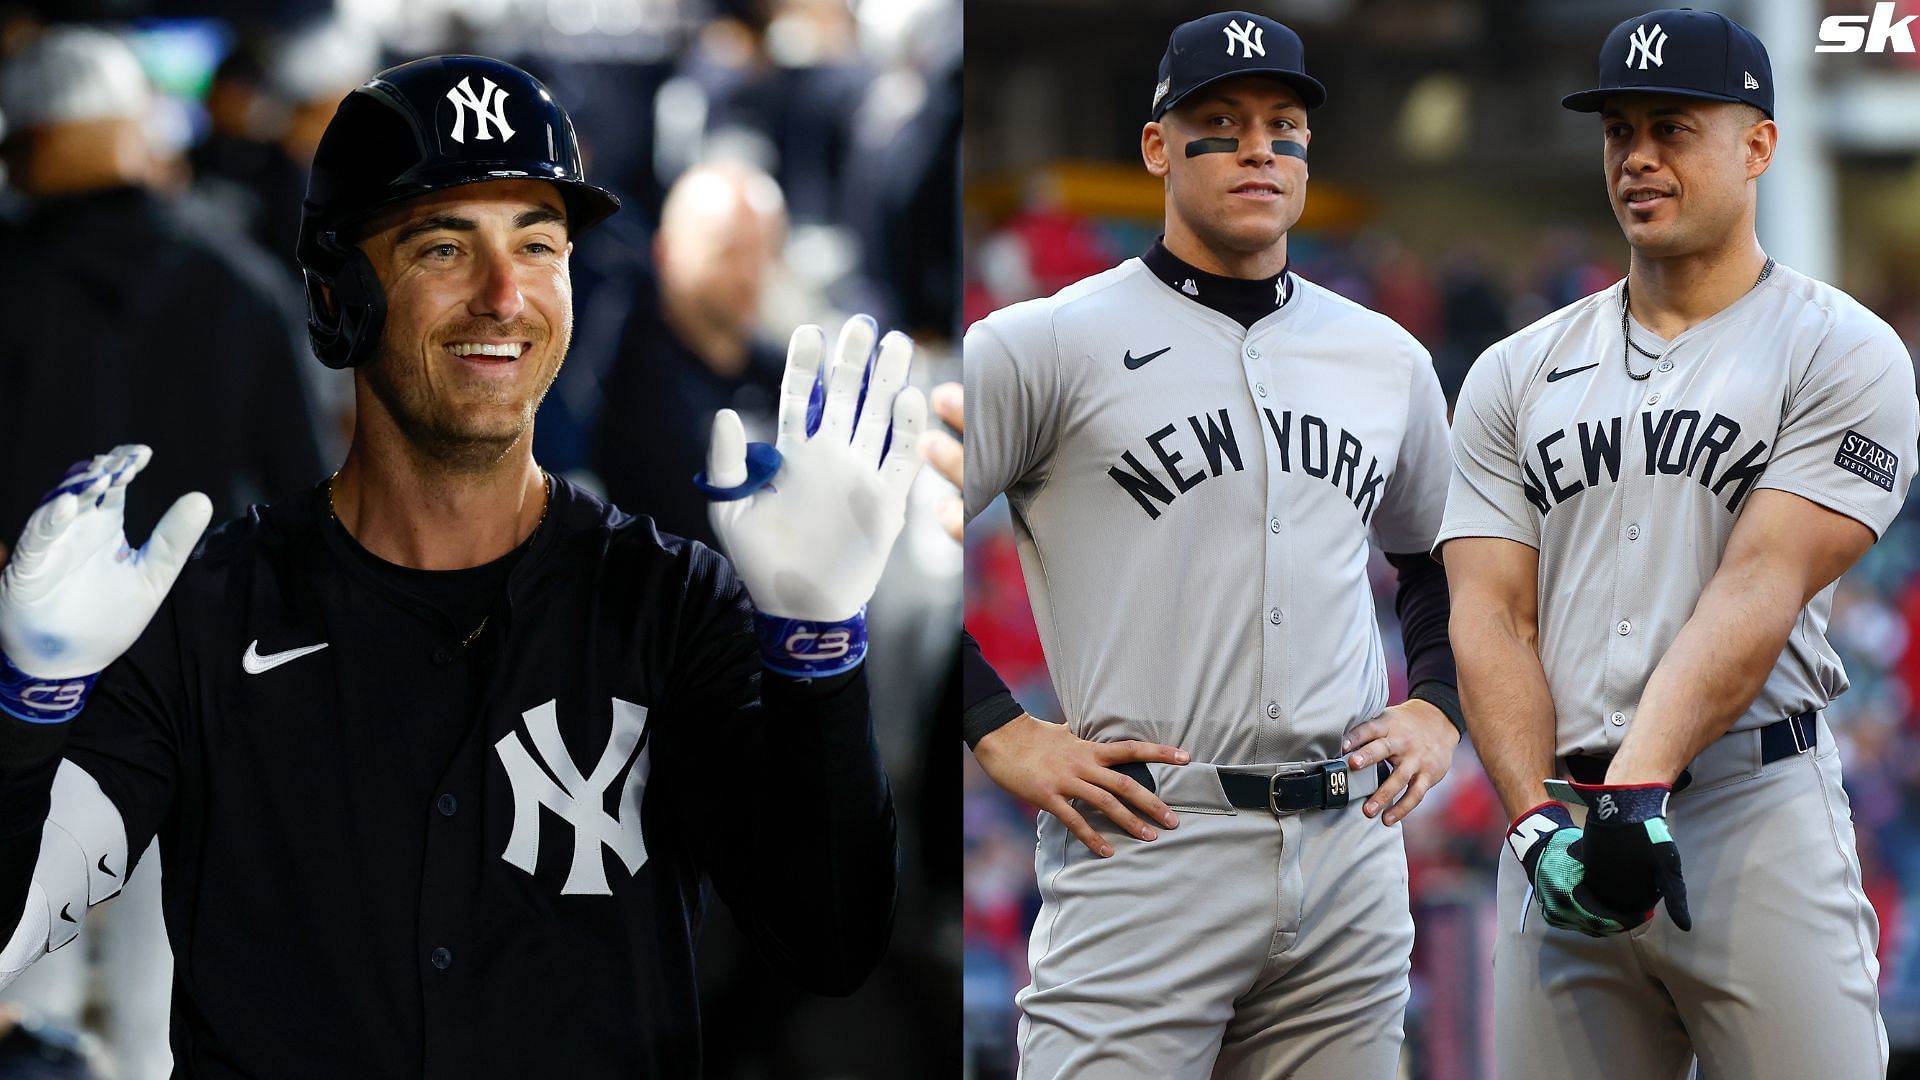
(809, 545)
(74, 596)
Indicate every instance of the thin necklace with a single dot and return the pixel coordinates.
(546, 500)
(1626, 338)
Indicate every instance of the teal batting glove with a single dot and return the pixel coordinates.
(1550, 847)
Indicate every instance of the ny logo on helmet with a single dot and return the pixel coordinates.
(489, 109)
(1249, 38)
(1648, 43)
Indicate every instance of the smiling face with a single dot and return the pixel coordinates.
(479, 315)
(1237, 202)
(1680, 171)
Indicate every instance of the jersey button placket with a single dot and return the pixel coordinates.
(1274, 651)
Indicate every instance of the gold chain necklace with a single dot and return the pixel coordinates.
(546, 500)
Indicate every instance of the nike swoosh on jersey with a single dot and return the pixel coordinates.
(1134, 363)
(256, 664)
(1556, 374)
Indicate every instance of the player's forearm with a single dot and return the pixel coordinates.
(818, 853)
(1509, 708)
(29, 759)
(1711, 673)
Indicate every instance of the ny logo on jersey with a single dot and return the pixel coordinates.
(580, 801)
(1248, 37)
(489, 109)
(1648, 43)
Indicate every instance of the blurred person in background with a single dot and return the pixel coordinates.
(230, 163)
(193, 334)
(160, 329)
(696, 349)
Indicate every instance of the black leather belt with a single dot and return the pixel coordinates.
(1782, 739)
(1322, 786)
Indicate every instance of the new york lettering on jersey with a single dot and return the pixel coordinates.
(1294, 402)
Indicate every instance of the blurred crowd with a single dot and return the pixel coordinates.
(779, 161)
(1457, 304)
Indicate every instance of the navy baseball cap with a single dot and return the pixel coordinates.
(1232, 43)
(1683, 52)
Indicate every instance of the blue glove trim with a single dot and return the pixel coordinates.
(802, 649)
(762, 462)
(48, 701)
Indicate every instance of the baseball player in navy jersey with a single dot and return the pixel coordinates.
(1197, 447)
(445, 755)
(1655, 490)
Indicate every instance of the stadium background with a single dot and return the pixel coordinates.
(1453, 193)
(852, 106)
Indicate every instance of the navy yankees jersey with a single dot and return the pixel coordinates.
(389, 851)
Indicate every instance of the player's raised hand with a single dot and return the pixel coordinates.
(74, 596)
(810, 538)
(1417, 739)
(1049, 766)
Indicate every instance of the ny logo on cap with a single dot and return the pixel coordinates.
(1248, 37)
(1649, 43)
(489, 109)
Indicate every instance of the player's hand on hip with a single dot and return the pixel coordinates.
(74, 596)
(1551, 849)
(945, 453)
(1049, 766)
(1418, 740)
(1632, 861)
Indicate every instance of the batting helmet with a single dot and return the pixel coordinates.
(424, 126)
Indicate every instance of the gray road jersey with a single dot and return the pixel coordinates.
(1192, 502)
(1630, 489)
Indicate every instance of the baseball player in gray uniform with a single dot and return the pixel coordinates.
(1655, 489)
(1196, 446)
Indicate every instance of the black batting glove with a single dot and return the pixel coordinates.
(1632, 861)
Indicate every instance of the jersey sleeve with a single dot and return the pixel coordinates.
(1850, 434)
(1487, 494)
(1013, 390)
(1415, 497)
(128, 738)
(776, 786)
